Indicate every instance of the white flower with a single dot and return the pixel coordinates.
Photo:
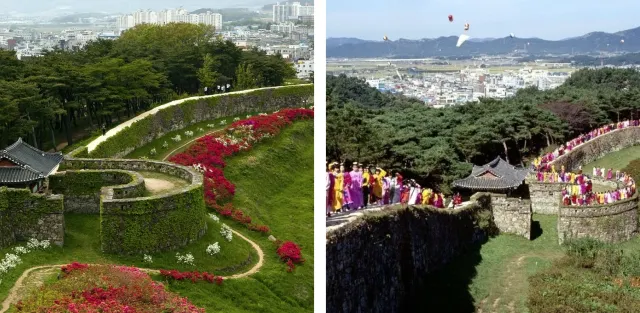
(236, 119)
(200, 129)
(10, 261)
(21, 250)
(248, 116)
(153, 151)
(177, 138)
(263, 114)
(225, 231)
(311, 107)
(211, 125)
(213, 249)
(165, 145)
(185, 259)
(189, 133)
(223, 122)
(36, 244)
(214, 217)
(147, 259)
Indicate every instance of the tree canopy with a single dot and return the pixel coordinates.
(437, 146)
(71, 93)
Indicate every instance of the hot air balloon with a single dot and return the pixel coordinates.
(450, 18)
(385, 38)
(466, 26)
(462, 39)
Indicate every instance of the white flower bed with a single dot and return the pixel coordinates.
(188, 133)
(223, 122)
(153, 151)
(213, 249)
(214, 217)
(185, 259)
(147, 259)
(236, 119)
(12, 260)
(225, 231)
(200, 129)
(211, 125)
(165, 145)
(177, 138)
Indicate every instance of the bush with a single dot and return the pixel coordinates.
(583, 252)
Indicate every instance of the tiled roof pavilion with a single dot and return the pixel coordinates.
(495, 175)
(21, 163)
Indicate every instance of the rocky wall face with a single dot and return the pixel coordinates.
(612, 223)
(511, 215)
(374, 264)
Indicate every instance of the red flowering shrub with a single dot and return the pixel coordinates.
(290, 253)
(193, 276)
(105, 289)
(75, 266)
(209, 152)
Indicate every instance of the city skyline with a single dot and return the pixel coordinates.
(550, 20)
(118, 6)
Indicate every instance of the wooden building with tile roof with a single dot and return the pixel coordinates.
(495, 176)
(24, 166)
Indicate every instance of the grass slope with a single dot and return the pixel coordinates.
(274, 185)
(82, 244)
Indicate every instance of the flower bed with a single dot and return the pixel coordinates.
(208, 153)
(107, 289)
(192, 276)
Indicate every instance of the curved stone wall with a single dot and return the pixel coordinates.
(147, 224)
(179, 114)
(82, 188)
(614, 222)
(597, 148)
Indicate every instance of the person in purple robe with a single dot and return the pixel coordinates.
(355, 190)
(609, 174)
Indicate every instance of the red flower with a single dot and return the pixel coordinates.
(290, 253)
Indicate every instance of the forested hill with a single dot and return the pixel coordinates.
(438, 146)
(74, 92)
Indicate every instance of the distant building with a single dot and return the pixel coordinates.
(23, 166)
(285, 12)
(168, 16)
(304, 68)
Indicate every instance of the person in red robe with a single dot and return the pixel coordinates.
(404, 196)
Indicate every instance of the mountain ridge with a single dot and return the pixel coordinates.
(589, 43)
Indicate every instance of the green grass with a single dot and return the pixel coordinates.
(82, 244)
(507, 260)
(274, 185)
(615, 160)
(161, 153)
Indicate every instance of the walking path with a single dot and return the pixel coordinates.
(41, 272)
(112, 132)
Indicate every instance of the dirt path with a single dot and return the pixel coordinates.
(155, 185)
(34, 277)
(514, 285)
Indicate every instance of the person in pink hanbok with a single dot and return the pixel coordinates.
(347, 202)
(355, 190)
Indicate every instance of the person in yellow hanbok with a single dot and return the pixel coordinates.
(337, 189)
(426, 195)
(366, 184)
(377, 188)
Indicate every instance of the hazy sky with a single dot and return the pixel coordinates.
(115, 6)
(411, 19)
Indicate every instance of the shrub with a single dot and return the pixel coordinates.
(213, 249)
(290, 253)
(192, 276)
(583, 252)
(185, 259)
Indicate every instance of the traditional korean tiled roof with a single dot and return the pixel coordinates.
(495, 175)
(31, 164)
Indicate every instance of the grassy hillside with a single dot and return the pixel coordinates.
(274, 185)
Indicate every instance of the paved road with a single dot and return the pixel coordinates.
(92, 145)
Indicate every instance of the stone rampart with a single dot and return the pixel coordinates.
(375, 263)
(25, 215)
(510, 215)
(613, 222)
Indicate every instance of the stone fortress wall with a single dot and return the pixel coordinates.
(25, 215)
(510, 215)
(375, 263)
(613, 222)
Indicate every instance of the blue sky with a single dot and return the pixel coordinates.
(410, 19)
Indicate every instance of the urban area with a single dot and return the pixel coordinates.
(284, 28)
(442, 83)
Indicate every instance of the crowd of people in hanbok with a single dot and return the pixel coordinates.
(542, 163)
(579, 191)
(366, 186)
